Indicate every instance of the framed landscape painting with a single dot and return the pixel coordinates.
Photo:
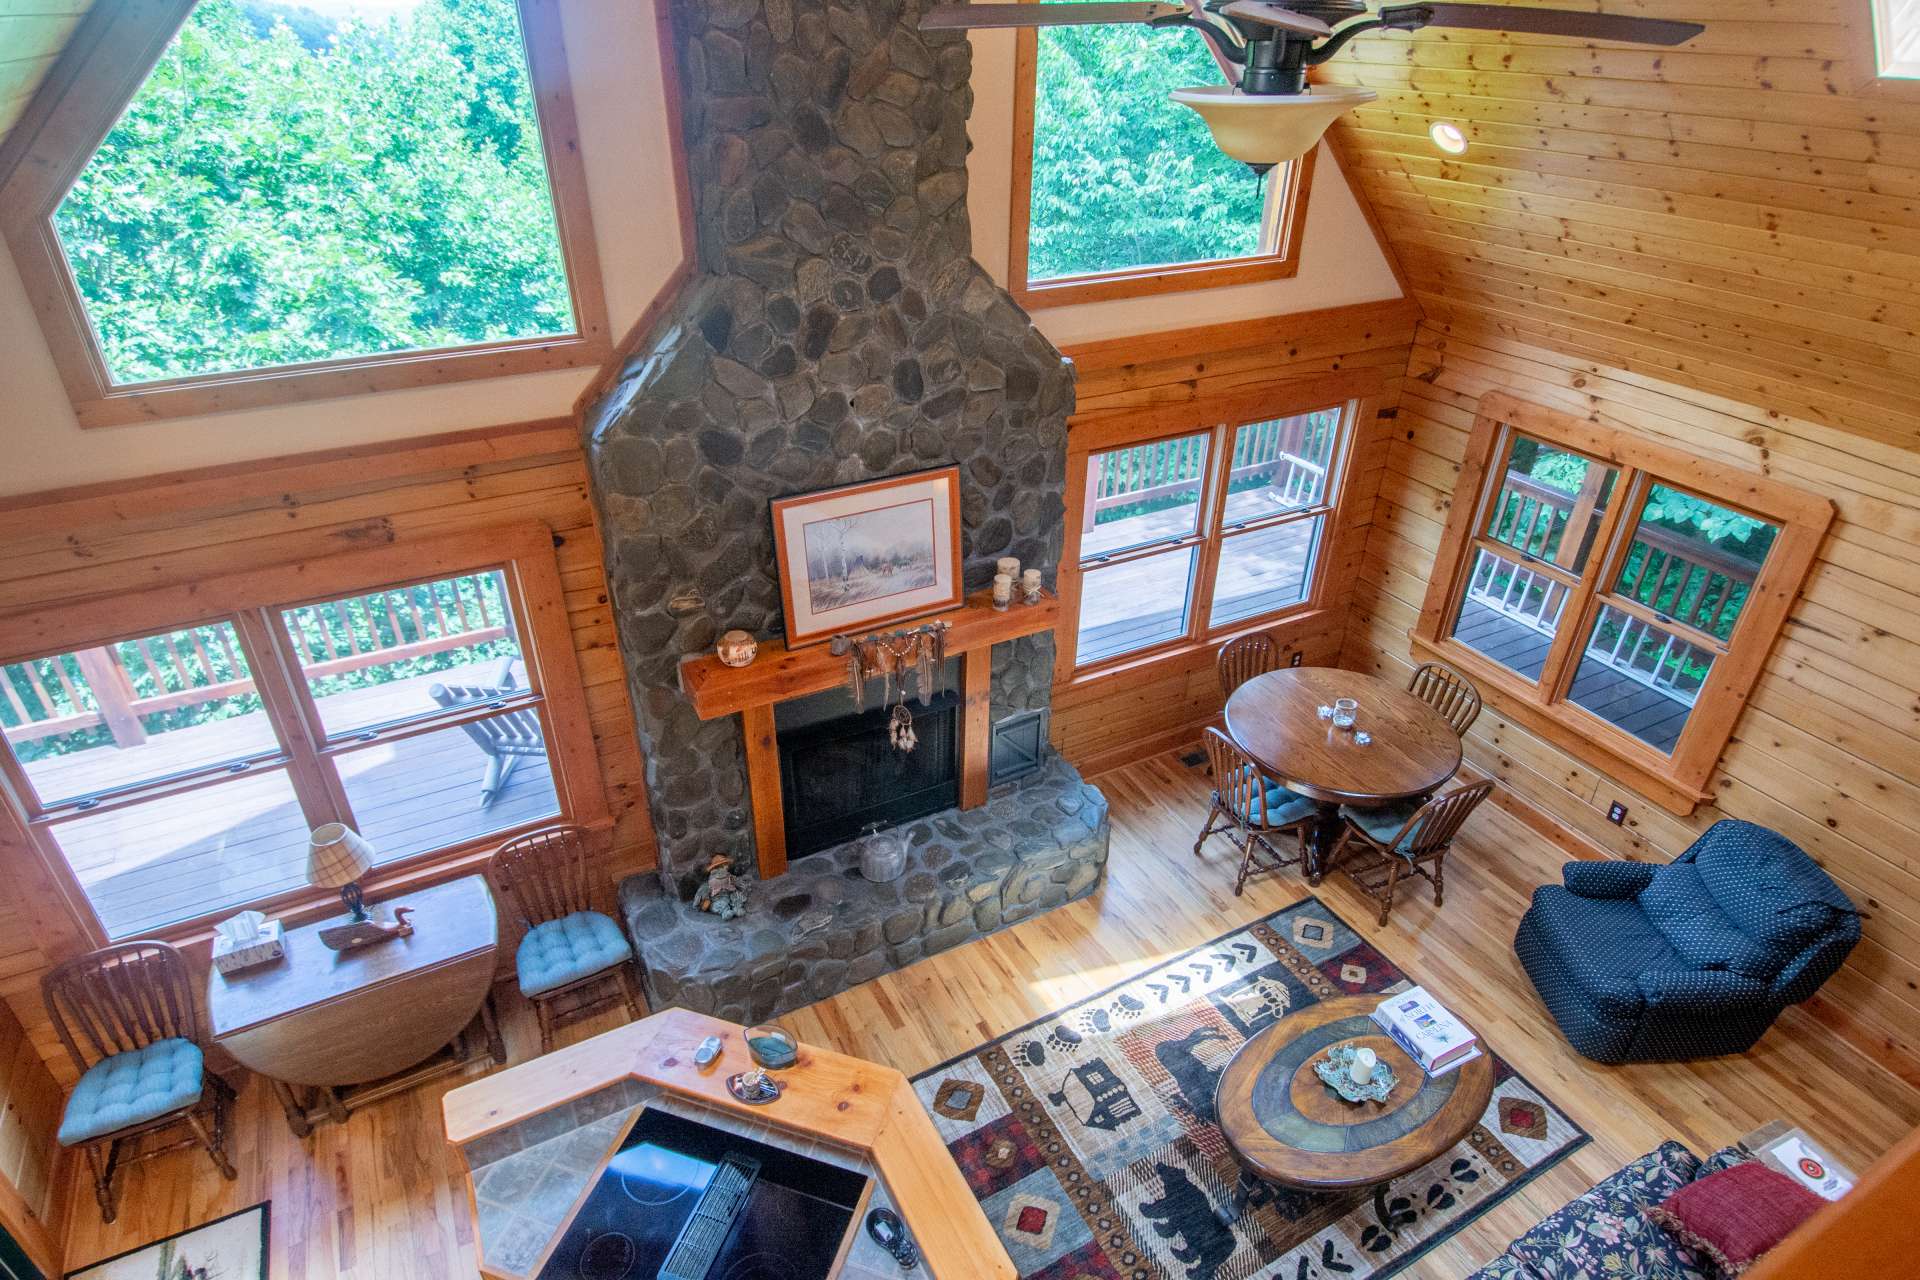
(854, 558)
(229, 1248)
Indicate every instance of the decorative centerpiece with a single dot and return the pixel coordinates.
(724, 893)
(1356, 1073)
(736, 648)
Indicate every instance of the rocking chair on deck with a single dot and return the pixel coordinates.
(508, 739)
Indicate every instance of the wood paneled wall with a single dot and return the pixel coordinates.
(175, 529)
(29, 1158)
(1827, 751)
(1103, 721)
(1740, 215)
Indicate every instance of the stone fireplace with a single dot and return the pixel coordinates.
(835, 330)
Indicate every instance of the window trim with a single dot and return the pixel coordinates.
(1676, 781)
(1881, 37)
(1280, 263)
(88, 100)
(1354, 394)
(523, 552)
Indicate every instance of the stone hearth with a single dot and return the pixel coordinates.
(1037, 843)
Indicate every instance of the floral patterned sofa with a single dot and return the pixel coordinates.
(1606, 1232)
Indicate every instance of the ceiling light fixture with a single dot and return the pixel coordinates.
(1449, 137)
(1263, 130)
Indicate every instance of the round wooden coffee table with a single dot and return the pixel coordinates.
(1274, 719)
(1288, 1127)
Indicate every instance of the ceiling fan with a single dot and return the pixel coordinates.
(1267, 113)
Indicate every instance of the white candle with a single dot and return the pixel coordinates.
(1009, 565)
(1002, 590)
(1364, 1061)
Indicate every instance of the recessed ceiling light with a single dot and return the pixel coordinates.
(1447, 136)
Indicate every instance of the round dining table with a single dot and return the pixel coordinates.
(1409, 749)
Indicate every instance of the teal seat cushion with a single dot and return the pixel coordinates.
(1283, 806)
(1384, 823)
(131, 1088)
(567, 950)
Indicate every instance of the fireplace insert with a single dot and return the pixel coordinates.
(842, 774)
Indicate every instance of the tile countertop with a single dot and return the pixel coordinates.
(535, 1137)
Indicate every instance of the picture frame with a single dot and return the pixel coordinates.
(857, 557)
(233, 1247)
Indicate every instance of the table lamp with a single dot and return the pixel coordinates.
(337, 856)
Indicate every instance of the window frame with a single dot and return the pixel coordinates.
(252, 601)
(1881, 37)
(1291, 192)
(1677, 781)
(87, 100)
(1218, 417)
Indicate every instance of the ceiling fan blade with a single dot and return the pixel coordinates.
(969, 17)
(1550, 22)
(1273, 15)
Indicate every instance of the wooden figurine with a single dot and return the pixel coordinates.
(364, 933)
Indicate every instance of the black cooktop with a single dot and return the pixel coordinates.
(682, 1200)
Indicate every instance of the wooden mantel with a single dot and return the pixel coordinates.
(777, 674)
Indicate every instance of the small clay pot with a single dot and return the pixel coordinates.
(736, 648)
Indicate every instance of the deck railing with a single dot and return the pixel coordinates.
(1678, 576)
(1282, 450)
(119, 685)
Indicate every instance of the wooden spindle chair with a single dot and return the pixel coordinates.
(1250, 811)
(1244, 658)
(1406, 841)
(127, 1019)
(1448, 692)
(573, 961)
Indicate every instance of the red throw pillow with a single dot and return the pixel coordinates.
(1736, 1215)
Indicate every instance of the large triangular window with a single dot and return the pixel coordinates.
(307, 188)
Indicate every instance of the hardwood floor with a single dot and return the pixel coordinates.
(383, 1197)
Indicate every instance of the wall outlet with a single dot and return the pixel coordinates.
(1294, 661)
(1617, 814)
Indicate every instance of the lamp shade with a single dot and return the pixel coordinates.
(1265, 129)
(337, 855)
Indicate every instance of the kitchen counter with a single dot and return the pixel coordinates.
(536, 1136)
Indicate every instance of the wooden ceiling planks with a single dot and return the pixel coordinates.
(32, 34)
(1741, 214)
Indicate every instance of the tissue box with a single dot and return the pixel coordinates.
(264, 947)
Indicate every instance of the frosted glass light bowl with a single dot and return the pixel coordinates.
(1270, 129)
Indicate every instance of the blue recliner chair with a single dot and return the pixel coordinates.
(1639, 963)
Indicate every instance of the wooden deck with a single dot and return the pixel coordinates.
(1143, 602)
(206, 850)
(1653, 716)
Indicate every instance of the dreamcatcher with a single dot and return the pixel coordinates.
(916, 655)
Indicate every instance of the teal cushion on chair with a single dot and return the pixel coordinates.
(1283, 806)
(567, 950)
(1384, 824)
(131, 1088)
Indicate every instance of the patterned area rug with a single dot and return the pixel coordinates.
(1089, 1136)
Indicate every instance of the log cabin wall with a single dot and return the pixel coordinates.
(1105, 720)
(30, 1101)
(1828, 749)
(69, 545)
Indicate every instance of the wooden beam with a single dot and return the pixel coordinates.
(763, 789)
(976, 725)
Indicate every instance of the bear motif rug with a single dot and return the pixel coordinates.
(1090, 1140)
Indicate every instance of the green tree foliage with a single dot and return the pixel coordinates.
(1121, 176)
(276, 195)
